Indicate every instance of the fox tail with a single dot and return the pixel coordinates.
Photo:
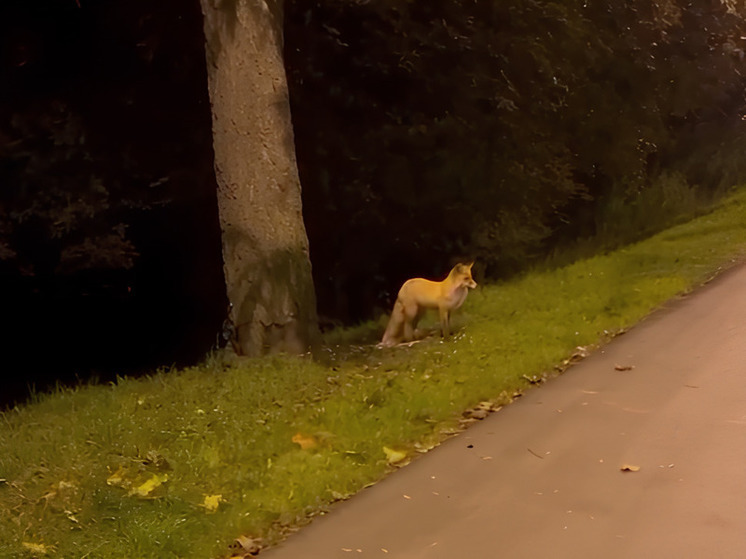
(392, 334)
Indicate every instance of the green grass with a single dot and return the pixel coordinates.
(123, 470)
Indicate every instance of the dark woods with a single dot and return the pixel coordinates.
(109, 241)
(504, 130)
(424, 131)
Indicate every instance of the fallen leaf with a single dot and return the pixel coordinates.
(623, 367)
(212, 502)
(579, 354)
(71, 517)
(145, 490)
(394, 456)
(481, 410)
(37, 548)
(244, 546)
(424, 446)
(117, 478)
(477, 413)
(630, 468)
(306, 442)
(154, 460)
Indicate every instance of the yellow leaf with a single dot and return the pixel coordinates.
(117, 478)
(630, 468)
(146, 489)
(305, 442)
(37, 548)
(394, 456)
(212, 502)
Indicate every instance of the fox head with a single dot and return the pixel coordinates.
(462, 275)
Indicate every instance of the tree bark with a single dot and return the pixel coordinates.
(265, 247)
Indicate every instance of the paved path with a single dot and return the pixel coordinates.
(542, 478)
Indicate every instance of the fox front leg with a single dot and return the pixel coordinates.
(445, 326)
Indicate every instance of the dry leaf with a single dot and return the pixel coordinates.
(424, 447)
(71, 517)
(154, 460)
(481, 410)
(630, 468)
(244, 546)
(394, 456)
(117, 478)
(579, 354)
(306, 442)
(623, 367)
(476, 414)
(37, 548)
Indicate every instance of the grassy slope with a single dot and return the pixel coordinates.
(123, 470)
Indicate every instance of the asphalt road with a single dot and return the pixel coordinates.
(543, 477)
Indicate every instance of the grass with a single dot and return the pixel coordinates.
(181, 463)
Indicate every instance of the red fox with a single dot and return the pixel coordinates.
(418, 294)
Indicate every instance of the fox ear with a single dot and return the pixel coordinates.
(464, 266)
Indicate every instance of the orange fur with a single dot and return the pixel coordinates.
(418, 295)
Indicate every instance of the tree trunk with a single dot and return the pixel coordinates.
(265, 247)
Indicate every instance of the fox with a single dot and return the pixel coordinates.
(419, 294)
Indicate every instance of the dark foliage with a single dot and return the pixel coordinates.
(109, 241)
(431, 130)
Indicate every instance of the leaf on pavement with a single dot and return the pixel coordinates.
(630, 468)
